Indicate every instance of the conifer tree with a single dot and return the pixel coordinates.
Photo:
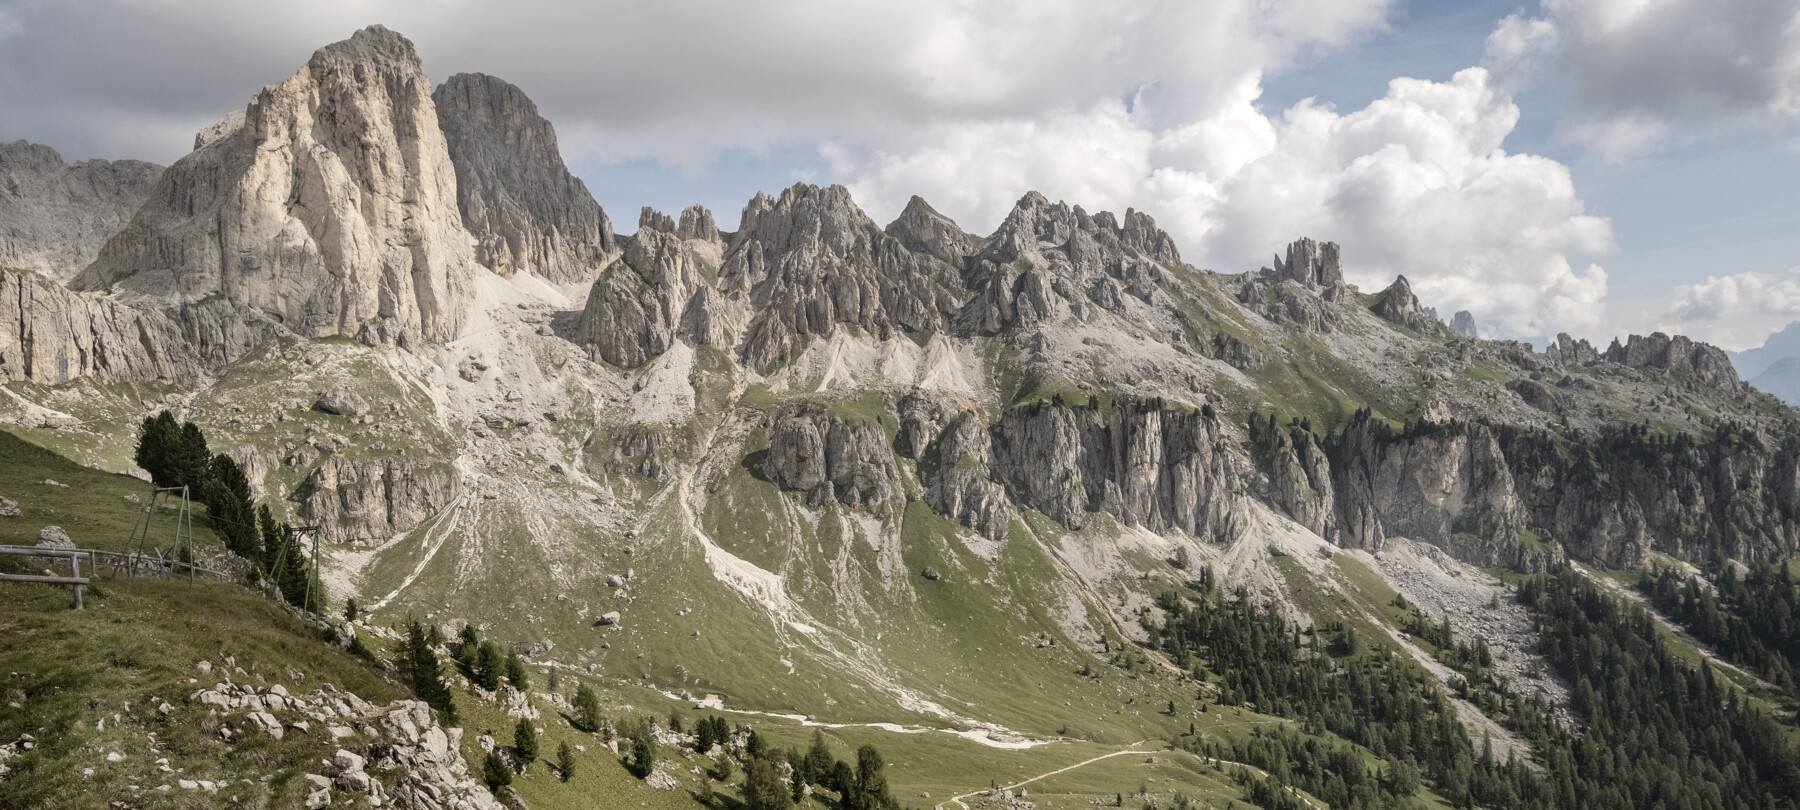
(763, 789)
(418, 665)
(488, 665)
(565, 760)
(495, 772)
(525, 742)
(587, 709)
(515, 672)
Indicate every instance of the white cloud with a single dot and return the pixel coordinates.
(1643, 73)
(1415, 183)
(1736, 311)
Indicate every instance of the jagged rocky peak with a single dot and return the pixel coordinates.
(332, 210)
(1398, 305)
(516, 195)
(1311, 264)
(697, 224)
(811, 260)
(635, 307)
(1463, 324)
(1048, 260)
(54, 217)
(650, 219)
(1035, 221)
(1570, 351)
(923, 230)
(1705, 365)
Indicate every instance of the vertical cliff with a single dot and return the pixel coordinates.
(516, 196)
(331, 209)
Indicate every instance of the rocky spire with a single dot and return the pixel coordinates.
(1463, 324)
(57, 216)
(1398, 304)
(697, 223)
(514, 191)
(923, 230)
(654, 220)
(332, 209)
(1311, 264)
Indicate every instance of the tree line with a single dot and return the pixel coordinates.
(176, 455)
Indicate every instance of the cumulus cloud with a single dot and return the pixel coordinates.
(1416, 183)
(1642, 74)
(1736, 311)
(676, 81)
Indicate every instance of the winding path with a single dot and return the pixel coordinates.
(1131, 749)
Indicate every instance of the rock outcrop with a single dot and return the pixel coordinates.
(1048, 261)
(1397, 304)
(1445, 484)
(370, 501)
(921, 229)
(1144, 463)
(961, 483)
(1311, 264)
(53, 335)
(1703, 365)
(636, 305)
(54, 217)
(331, 210)
(405, 738)
(697, 224)
(830, 456)
(515, 194)
(1296, 472)
(810, 261)
(1463, 324)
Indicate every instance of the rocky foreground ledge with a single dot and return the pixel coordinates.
(421, 760)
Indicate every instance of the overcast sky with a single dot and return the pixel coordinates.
(1594, 167)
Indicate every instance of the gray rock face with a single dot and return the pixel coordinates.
(514, 192)
(1568, 351)
(962, 487)
(1048, 260)
(1238, 354)
(635, 307)
(331, 210)
(370, 501)
(1704, 365)
(54, 217)
(53, 335)
(1463, 324)
(1430, 484)
(1398, 305)
(54, 537)
(1297, 473)
(829, 456)
(923, 230)
(1311, 264)
(811, 260)
(697, 223)
(1143, 464)
(650, 219)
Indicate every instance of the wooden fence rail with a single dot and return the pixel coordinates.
(131, 564)
(75, 581)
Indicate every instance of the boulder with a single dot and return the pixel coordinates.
(54, 537)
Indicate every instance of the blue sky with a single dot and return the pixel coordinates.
(1591, 166)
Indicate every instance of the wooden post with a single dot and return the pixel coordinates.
(75, 568)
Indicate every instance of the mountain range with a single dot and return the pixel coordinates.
(866, 475)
